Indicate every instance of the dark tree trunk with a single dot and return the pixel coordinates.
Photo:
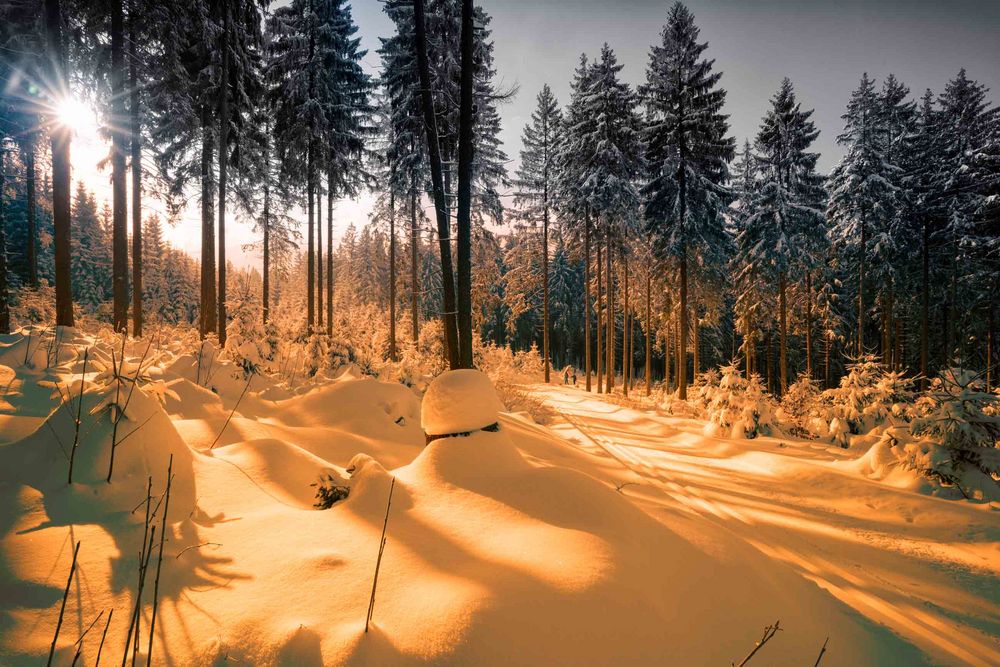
(392, 270)
(546, 356)
(136, 156)
(119, 187)
(465, 150)
(223, 171)
(414, 262)
(861, 292)
(682, 325)
(311, 244)
(586, 300)
(329, 256)
(783, 335)
(600, 321)
(809, 324)
(319, 258)
(925, 288)
(449, 319)
(61, 138)
(649, 327)
(609, 337)
(266, 277)
(29, 177)
(626, 328)
(4, 300)
(208, 320)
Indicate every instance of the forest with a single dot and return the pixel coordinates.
(632, 256)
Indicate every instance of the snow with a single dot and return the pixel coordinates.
(614, 536)
(458, 402)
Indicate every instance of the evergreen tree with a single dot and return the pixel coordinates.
(687, 152)
(91, 252)
(535, 183)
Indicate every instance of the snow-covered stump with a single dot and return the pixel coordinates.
(459, 403)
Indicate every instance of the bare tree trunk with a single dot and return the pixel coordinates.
(136, 150)
(925, 272)
(119, 191)
(320, 304)
(392, 270)
(809, 324)
(4, 299)
(600, 322)
(329, 255)
(207, 323)
(695, 344)
(61, 138)
(449, 317)
(267, 243)
(649, 327)
(626, 352)
(989, 348)
(545, 284)
(29, 176)
(769, 361)
(465, 150)
(414, 261)
(586, 299)
(783, 334)
(223, 172)
(682, 332)
(861, 291)
(609, 339)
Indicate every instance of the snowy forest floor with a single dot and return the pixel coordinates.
(925, 567)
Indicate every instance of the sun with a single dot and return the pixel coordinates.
(75, 114)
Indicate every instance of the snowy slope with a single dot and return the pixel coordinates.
(509, 547)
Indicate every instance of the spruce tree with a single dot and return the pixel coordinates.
(536, 189)
(687, 152)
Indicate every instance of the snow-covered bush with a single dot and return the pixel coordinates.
(959, 435)
(329, 491)
(857, 392)
(705, 388)
(740, 408)
(799, 406)
(33, 306)
(248, 342)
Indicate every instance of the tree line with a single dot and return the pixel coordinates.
(639, 234)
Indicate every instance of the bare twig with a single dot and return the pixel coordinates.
(378, 562)
(79, 642)
(769, 632)
(143, 560)
(62, 607)
(197, 546)
(79, 412)
(123, 408)
(233, 411)
(821, 652)
(97, 661)
(159, 562)
(619, 487)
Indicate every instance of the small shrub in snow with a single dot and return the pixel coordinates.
(856, 393)
(799, 405)
(959, 435)
(329, 492)
(247, 342)
(740, 407)
(705, 388)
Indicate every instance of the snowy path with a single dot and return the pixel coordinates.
(927, 568)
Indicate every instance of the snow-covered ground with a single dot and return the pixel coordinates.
(613, 536)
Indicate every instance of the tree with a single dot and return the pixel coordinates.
(61, 139)
(536, 188)
(863, 194)
(783, 232)
(687, 152)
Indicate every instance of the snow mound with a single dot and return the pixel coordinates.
(458, 402)
(280, 469)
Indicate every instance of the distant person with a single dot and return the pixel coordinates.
(566, 376)
(574, 377)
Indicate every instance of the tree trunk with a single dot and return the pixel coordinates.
(586, 299)
(392, 270)
(223, 172)
(414, 261)
(609, 338)
(119, 189)
(925, 271)
(207, 323)
(449, 319)
(682, 333)
(826, 362)
(29, 174)
(861, 292)
(329, 255)
(545, 284)
(61, 138)
(768, 360)
(783, 334)
(311, 243)
(320, 305)
(809, 325)
(649, 327)
(626, 351)
(989, 349)
(4, 299)
(267, 240)
(600, 321)
(465, 150)
(695, 343)
(136, 151)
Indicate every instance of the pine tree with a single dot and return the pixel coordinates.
(535, 183)
(783, 233)
(90, 251)
(687, 152)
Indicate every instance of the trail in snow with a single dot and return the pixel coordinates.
(925, 567)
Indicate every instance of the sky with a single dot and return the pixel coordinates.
(823, 46)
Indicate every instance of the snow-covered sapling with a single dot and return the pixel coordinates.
(328, 492)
